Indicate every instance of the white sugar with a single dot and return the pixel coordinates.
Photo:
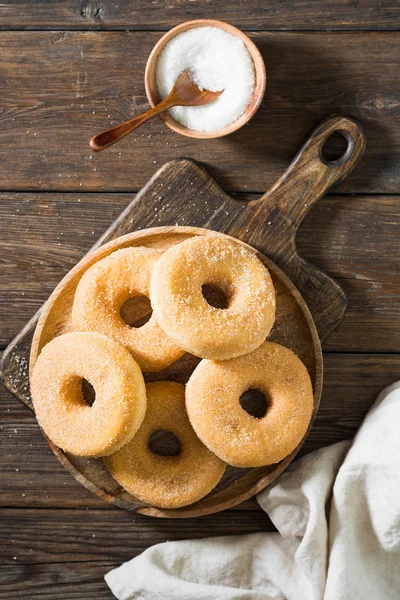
(216, 61)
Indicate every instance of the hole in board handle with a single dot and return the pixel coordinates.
(337, 148)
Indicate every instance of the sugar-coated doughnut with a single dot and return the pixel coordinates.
(185, 315)
(166, 481)
(101, 293)
(120, 403)
(212, 402)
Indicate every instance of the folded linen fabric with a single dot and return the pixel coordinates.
(337, 512)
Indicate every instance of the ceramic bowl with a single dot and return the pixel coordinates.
(259, 68)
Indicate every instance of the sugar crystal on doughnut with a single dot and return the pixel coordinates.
(186, 316)
(166, 481)
(102, 291)
(214, 410)
(120, 402)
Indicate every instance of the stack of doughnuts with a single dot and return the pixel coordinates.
(206, 417)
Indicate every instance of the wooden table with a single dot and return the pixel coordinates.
(68, 70)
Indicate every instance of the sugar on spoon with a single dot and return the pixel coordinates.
(184, 93)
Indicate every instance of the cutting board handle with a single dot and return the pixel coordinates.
(273, 220)
(310, 175)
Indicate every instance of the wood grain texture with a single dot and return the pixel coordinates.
(112, 535)
(28, 466)
(53, 101)
(44, 235)
(253, 14)
(77, 561)
(64, 581)
(44, 566)
(268, 224)
(363, 234)
(51, 86)
(181, 184)
(293, 327)
(272, 221)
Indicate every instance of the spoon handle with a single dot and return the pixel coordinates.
(103, 140)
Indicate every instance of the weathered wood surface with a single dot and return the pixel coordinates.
(112, 535)
(91, 542)
(51, 86)
(28, 466)
(64, 581)
(159, 15)
(53, 102)
(353, 238)
(183, 192)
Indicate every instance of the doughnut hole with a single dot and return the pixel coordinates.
(218, 294)
(136, 311)
(164, 443)
(79, 391)
(254, 402)
(88, 392)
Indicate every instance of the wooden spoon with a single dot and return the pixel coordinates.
(184, 93)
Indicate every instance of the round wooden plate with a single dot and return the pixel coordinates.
(294, 328)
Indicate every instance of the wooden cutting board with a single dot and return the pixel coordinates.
(179, 197)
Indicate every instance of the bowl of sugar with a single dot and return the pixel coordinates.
(218, 57)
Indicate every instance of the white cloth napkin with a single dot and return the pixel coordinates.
(337, 512)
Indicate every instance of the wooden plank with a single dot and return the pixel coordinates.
(64, 581)
(253, 14)
(72, 564)
(355, 239)
(110, 536)
(54, 99)
(43, 237)
(30, 475)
